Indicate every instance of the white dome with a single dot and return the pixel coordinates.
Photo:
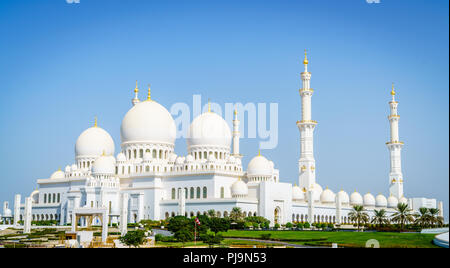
(150, 122)
(104, 165)
(369, 200)
(179, 160)
(297, 193)
(356, 199)
(73, 167)
(121, 157)
(239, 189)
(259, 165)
(381, 201)
(343, 196)
(392, 201)
(93, 142)
(57, 175)
(327, 196)
(403, 200)
(67, 169)
(173, 158)
(231, 159)
(209, 129)
(317, 191)
(189, 158)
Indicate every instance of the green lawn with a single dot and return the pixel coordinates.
(345, 239)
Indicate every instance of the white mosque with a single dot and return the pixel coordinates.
(147, 180)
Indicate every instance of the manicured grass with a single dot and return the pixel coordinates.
(225, 242)
(344, 239)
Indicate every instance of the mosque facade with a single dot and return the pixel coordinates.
(147, 180)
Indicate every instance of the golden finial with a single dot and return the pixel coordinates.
(295, 184)
(59, 169)
(304, 189)
(305, 61)
(95, 122)
(393, 90)
(209, 105)
(136, 90)
(327, 187)
(149, 96)
(103, 153)
(235, 111)
(239, 178)
(259, 152)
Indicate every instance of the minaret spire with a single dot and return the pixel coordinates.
(236, 135)
(136, 98)
(395, 148)
(307, 175)
(149, 95)
(96, 122)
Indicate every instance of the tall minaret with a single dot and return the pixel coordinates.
(136, 99)
(236, 135)
(306, 163)
(395, 148)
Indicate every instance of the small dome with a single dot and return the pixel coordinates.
(271, 165)
(403, 200)
(179, 160)
(93, 142)
(58, 175)
(73, 167)
(381, 201)
(189, 158)
(239, 189)
(259, 166)
(121, 157)
(327, 196)
(209, 129)
(147, 156)
(104, 165)
(297, 193)
(231, 159)
(317, 191)
(67, 169)
(369, 200)
(343, 196)
(356, 199)
(148, 122)
(392, 201)
(173, 158)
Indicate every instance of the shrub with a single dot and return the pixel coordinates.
(300, 225)
(266, 236)
(255, 225)
(276, 226)
(330, 225)
(288, 225)
(306, 225)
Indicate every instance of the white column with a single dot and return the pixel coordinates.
(236, 135)
(124, 214)
(306, 163)
(338, 209)
(27, 215)
(104, 226)
(17, 198)
(310, 206)
(74, 221)
(181, 202)
(395, 148)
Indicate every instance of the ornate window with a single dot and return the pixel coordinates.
(222, 192)
(198, 192)
(173, 193)
(205, 192)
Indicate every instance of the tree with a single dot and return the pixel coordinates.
(219, 225)
(211, 213)
(236, 214)
(380, 217)
(402, 215)
(212, 239)
(423, 218)
(359, 215)
(435, 218)
(184, 235)
(133, 238)
(177, 223)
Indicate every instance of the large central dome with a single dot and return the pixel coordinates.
(148, 122)
(209, 129)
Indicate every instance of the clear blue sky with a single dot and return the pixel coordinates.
(61, 64)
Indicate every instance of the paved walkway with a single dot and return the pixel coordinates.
(272, 242)
(441, 240)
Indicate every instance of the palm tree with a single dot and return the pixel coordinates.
(423, 218)
(211, 213)
(359, 215)
(403, 215)
(435, 218)
(236, 214)
(380, 217)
